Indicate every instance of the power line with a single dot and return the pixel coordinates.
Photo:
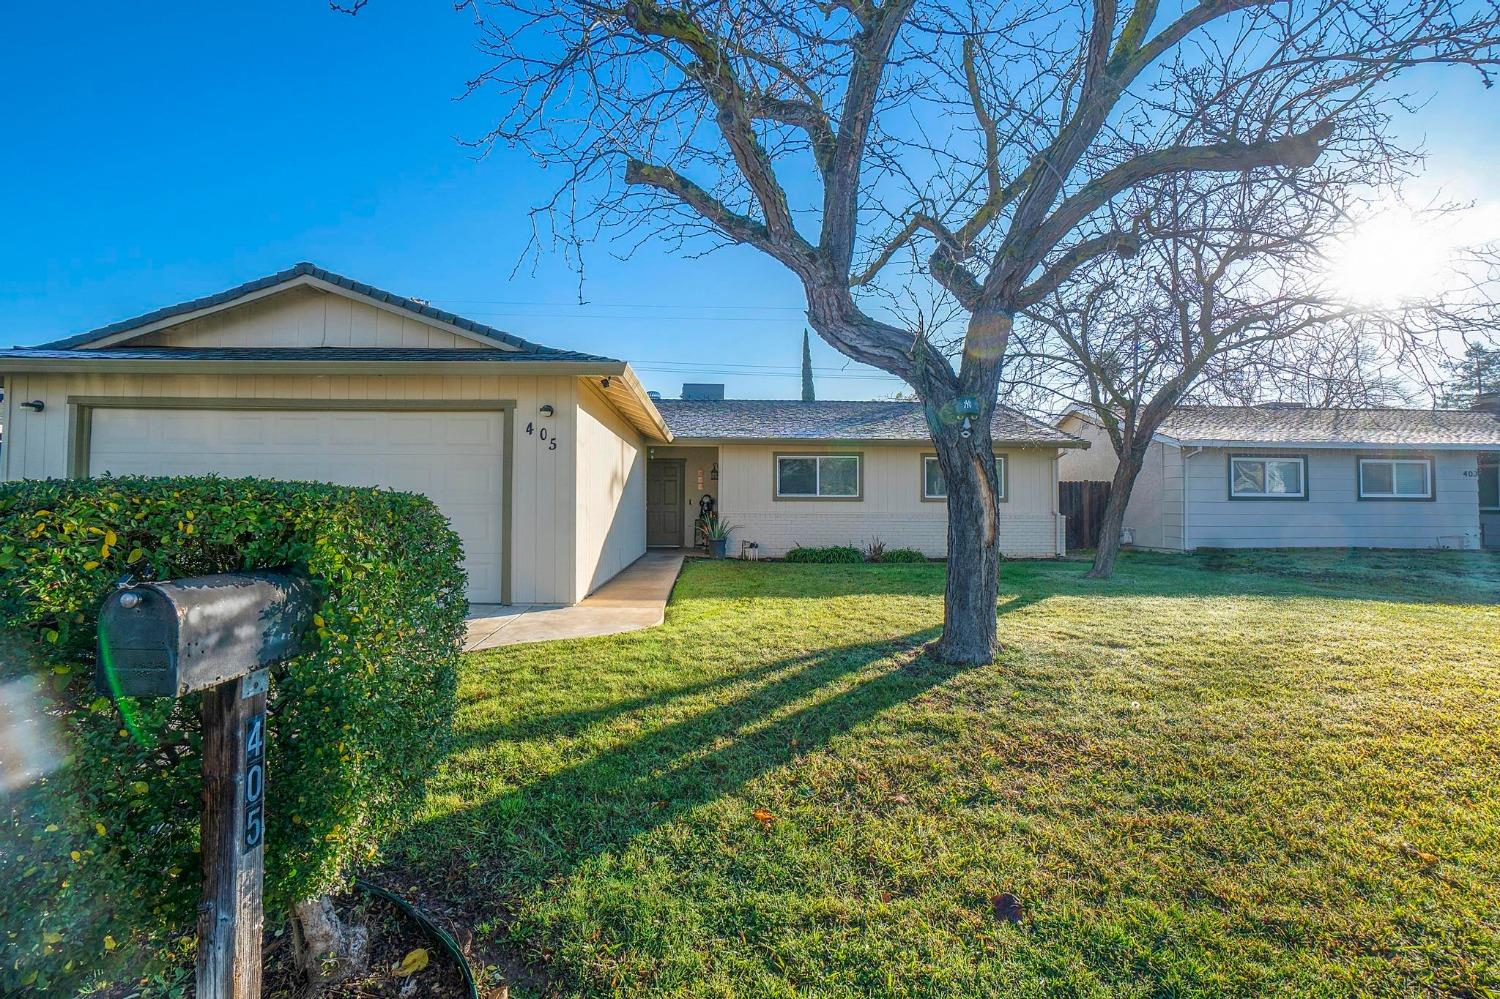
(622, 305)
(749, 368)
(640, 319)
(764, 374)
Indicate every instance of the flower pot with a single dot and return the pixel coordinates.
(717, 547)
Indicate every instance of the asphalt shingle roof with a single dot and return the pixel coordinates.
(1197, 425)
(351, 354)
(411, 305)
(772, 419)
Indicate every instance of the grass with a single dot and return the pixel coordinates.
(1223, 774)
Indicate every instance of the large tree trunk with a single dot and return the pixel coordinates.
(969, 598)
(1114, 514)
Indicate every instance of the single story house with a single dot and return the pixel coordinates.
(791, 473)
(1286, 476)
(540, 457)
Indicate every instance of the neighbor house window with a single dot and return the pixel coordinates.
(933, 486)
(1265, 477)
(1395, 478)
(817, 476)
(1489, 482)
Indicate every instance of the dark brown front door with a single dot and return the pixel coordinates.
(664, 502)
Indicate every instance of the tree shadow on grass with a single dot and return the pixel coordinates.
(547, 827)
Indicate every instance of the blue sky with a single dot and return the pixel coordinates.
(153, 153)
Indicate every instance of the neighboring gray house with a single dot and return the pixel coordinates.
(1286, 476)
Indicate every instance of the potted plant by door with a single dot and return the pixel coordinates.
(715, 531)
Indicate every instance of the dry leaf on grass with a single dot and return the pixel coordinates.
(412, 963)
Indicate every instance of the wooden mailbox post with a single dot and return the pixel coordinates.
(215, 634)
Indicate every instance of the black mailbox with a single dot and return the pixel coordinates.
(173, 638)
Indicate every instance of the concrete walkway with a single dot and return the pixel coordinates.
(635, 599)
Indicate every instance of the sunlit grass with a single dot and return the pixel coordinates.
(1213, 775)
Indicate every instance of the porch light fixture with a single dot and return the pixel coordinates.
(713, 473)
(35, 405)
(546, 409)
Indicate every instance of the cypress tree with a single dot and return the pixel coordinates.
(807, 382)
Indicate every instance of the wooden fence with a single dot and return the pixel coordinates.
(1083, 504)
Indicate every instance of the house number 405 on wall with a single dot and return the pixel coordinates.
(542, 434)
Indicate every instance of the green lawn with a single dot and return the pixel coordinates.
(1213, 775)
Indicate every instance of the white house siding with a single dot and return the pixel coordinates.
(611, 504)
(1173, 509)
(305, 317)
(543, 556)
(1096, 463)
(892, 508)
(1333, 515)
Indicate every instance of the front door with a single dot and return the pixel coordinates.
(664, 502)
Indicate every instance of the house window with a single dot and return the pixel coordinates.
(933, 486)
(1258, 477)
(1395, 478)
(1489, 482)
(817, 476)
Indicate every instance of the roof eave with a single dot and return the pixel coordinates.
(628, 396)
(1335, 445)
(331, 366)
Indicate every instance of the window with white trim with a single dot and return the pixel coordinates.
(1267, 477)
(1489, 483)
(1395, 478)
(817, 476)
(935, 488)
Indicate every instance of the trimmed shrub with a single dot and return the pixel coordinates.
(825, 556)
(902, 555)
(101, 856)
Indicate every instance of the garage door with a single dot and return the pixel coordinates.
(452, 457)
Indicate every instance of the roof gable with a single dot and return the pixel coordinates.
(302, 275)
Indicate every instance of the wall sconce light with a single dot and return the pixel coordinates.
(35, 405)
(546, 409)
(714, 472)
(604, 382)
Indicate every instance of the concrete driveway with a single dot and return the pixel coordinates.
(635, 599)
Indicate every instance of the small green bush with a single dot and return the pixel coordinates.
(902, 555)
(825, 556)
(100, 858)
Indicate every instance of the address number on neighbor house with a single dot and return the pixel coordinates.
(542, 434)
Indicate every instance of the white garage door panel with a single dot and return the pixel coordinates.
(453, 458)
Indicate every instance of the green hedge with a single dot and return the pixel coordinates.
(902, 555)
(825, 556)
(100, 858)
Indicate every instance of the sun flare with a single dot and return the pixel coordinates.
(1393, 257)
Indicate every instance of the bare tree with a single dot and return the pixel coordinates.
(929, 168)
(1231, 301)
